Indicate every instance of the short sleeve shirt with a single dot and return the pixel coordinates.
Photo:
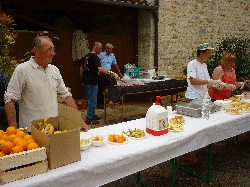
(36, 91)
(107, 60)
(197, 70)
(90, 65)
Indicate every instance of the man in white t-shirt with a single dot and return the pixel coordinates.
(198, 82)
(197, 74)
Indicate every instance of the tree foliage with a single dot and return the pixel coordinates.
(240, 47)
(7, 40)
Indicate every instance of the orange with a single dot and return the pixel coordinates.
(96, 138)
(16, 149)
(7, 147)
(32, 146)
(17, 139)
(23, 144)
(1, 143)
(115, 137)
(2, 154)
(124, 138)
(10, 130)
(111, 138)
(31, 140)
(11, 137)
(4, 137)
(27, 136)
(120, 139)
(2, 132)
(20, 134)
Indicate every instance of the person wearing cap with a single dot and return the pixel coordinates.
(225, 72)
(197, 74)
(198, 82)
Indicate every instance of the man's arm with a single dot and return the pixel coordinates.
(195, 81)
(118, 71)
(70, 102)
(11, 113)
(103, 70)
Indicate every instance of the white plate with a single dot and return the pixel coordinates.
(231, 113)
(179, 124)
(134, 138)
(246, 111)
(175, 131)
(115, 143)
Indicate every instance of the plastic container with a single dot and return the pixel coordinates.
(157, 118)
(206, 106)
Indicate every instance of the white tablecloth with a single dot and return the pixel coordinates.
(101, 165)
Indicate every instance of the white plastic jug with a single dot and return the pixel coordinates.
(157, 116)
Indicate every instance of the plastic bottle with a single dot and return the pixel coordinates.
(206, 106)
(157, 118)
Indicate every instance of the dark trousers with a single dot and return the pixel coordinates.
(103, 82)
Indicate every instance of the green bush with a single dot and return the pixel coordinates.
(7, 41)
(240, 47)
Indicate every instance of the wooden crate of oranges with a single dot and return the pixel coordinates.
(20, 156)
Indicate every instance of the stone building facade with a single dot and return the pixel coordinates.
(184, 24)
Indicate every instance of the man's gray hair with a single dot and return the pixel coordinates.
(37, 42)
(109, 44)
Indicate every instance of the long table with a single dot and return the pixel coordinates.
(151, 89)
(101, 165)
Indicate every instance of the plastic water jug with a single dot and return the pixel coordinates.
(157, 117)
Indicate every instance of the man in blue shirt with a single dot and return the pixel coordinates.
(108, 60)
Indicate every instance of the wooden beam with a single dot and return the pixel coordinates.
(30, 6)
(30, 20)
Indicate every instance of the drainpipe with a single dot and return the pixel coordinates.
(156, 20)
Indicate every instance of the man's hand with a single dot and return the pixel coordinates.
(120, 75)
(240, 85)
(231, 87)
(84, 126)
(214, 83)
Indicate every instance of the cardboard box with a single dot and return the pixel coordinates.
(62, 148)
(22, 165)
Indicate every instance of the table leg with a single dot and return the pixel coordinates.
(105, 112)
(209, 168)
(122, 98)
(138, 178)
(209, 165)
(236, 138)
(171, 101)
(174, 162)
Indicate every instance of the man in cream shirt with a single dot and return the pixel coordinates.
(35, 84)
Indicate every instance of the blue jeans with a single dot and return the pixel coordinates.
(91, 96)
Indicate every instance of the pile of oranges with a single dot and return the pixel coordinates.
(117, 138)
(15, 141)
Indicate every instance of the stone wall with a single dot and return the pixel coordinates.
(184, 24)
(146, 39)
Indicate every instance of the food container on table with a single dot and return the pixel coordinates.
(85, 143)
(97, 141)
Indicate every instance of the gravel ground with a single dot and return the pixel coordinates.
(231, 163)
